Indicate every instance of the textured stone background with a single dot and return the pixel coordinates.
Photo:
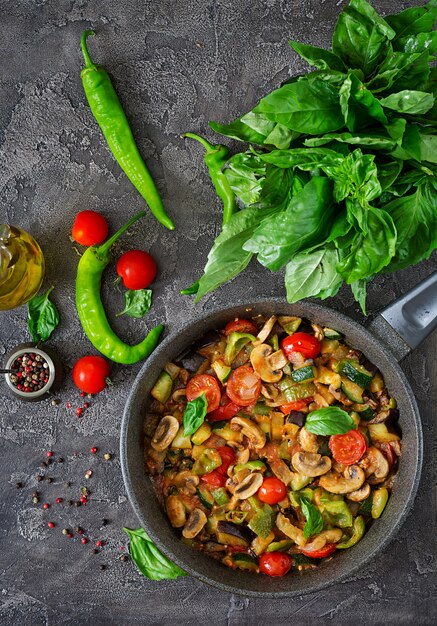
(176, 64)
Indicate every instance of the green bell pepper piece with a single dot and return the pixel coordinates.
(236, 341)
(358, 531)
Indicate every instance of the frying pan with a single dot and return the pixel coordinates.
(389, 337)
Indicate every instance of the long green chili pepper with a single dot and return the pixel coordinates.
(215, 158)
(112, 120)
(90, 308)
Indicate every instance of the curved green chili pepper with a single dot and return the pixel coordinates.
(112, 120)
(215, 159)
(90, 308)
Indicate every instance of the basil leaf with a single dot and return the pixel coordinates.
(409, 101)
(313, 274)
(149, 560)
(194, 414)
(303, 223)
(246, 174)
(359, 106)
(137, 303)
(359, 292)
(417, 43)
(318, 57)
(414, 20)
(43, 316)
(314, 519)
(306, 106)
(329, 421)
(305, 159)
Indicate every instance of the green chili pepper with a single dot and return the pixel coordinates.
(215, 158)
(90, 308)
(112, 120)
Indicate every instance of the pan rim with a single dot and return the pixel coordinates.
(313, 311)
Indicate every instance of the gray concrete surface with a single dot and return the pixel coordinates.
(176, 64)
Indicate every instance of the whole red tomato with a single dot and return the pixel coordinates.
(275, 563)
(90, 228)
(137, 269)
(306, 344)
(272, 490)
(90, 374)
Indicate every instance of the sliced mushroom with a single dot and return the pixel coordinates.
(249, 486)
(175, 511)
(318, 332)
(375, 466)
(320, 540)
(256, 437)
(351, 480)
(270, 392)
(380, 417)
(165, 433)
(360, 494)
(295, 533)
(179, 394)
(309, 464)
(281, 471)
(243, 455)
(308, 441)
(187, 481)
(267, 365)
(266, 329)
(194, 524)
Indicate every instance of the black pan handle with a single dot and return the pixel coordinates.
(403, 325)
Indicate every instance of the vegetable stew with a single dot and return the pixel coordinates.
(272, 444)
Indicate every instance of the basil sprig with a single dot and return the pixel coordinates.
(43, 316)
(314, 523)
(194, 414)
(329, 421)
(149, 560)
(137, 302)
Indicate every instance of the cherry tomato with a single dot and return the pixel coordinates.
(295, 406)
(306, 344)
(328, 549)
(272, 490)
(224, 412)
(90, 228)
(90, 374)
(241, 325)
(275, 563)
(228, 458)
(214, 479)
(204, 383)
(137, 269)
(244, 386)
(348, 449)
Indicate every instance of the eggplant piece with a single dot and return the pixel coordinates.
(232, 534)
(296, 417)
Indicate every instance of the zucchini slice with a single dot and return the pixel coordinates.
(330, 333)
(162, 388)
(205, 496)
(245, 562)
(353, 391)
(356, 373)
(303, 373)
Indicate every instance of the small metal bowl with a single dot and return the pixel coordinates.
(55, 372)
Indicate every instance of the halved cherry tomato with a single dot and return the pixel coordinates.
(244, 386)
(306, 344)
(228, 458)
(137, 269)
(328, 549)
(214, 479)
(224, 412)
(295, 406)
(241, 325)
(272, 490)
(90, 228)
(275, 563)
(348, 449)
(204, 383)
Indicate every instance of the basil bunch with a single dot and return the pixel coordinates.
(339, 183)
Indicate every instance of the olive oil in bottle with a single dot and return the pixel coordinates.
(21, 267)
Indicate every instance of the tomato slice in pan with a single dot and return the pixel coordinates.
(298, 405)
(228, 458)
(348, 449)
(224, 412)
(241, 325)
(214, 479)
(306, 344)
(244, 386)
(204, 383)
(328, 549)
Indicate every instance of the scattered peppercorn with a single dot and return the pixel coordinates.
(49, 454)
(54, 402)
(49, 479)
(79, 530)
(79, 411)
(38, 478)
(102, 566)
(43, 464)
(85, 491)
(82, 394)
(69, 535)
(78, 503)
(86, 405)
(70, 502)
(88, 474)
(82, 500)
(67, 484)
(94, 450)
(84, 540)
(60, 460)
(19, 485)
(107, 456)
(58, 500)
(68, 405)
(124, 558)
(105, 522)
(35, 500)
(46, 505)
(65, 531)
(35, 494)
(51, 524)
(95, 551)
(99, 543)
